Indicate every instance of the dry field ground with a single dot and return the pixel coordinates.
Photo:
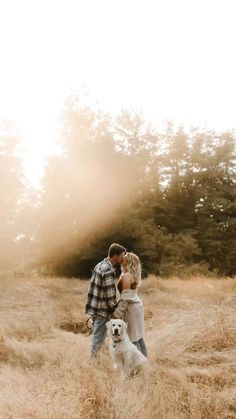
(45, 370)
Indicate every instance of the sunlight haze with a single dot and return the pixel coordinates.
(174, 60)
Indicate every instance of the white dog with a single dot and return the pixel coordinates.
(124, 353)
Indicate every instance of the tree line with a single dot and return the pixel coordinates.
(166, 193)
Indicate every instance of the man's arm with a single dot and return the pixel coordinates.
(120, 309)
(110, 289)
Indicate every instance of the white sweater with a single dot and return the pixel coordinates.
(130, 308)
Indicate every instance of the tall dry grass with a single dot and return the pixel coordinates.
(45, 370)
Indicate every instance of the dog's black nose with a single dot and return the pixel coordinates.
(116, 331)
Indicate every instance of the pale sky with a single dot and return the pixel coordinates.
(174, 59)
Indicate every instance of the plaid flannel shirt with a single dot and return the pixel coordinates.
(102, 290)
(119, 311)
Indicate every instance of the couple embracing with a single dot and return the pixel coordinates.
(102, 303)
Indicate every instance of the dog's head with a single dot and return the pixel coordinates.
(116, 328)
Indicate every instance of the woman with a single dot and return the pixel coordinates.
(130, 307)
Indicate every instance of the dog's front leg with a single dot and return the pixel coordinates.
(128, 365)
(119, 360)
(119, 364)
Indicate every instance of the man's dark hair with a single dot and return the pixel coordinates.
(115, 249)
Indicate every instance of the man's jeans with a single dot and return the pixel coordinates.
(141, 346)
(99, 331)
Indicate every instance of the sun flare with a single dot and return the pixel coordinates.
(148, 55)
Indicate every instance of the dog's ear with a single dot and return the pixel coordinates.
(124, 324)
(108, 325)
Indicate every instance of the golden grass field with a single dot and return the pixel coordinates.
(45, 370)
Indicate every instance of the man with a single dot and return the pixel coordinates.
(101, 300)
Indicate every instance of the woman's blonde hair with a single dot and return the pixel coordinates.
(134, 266)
